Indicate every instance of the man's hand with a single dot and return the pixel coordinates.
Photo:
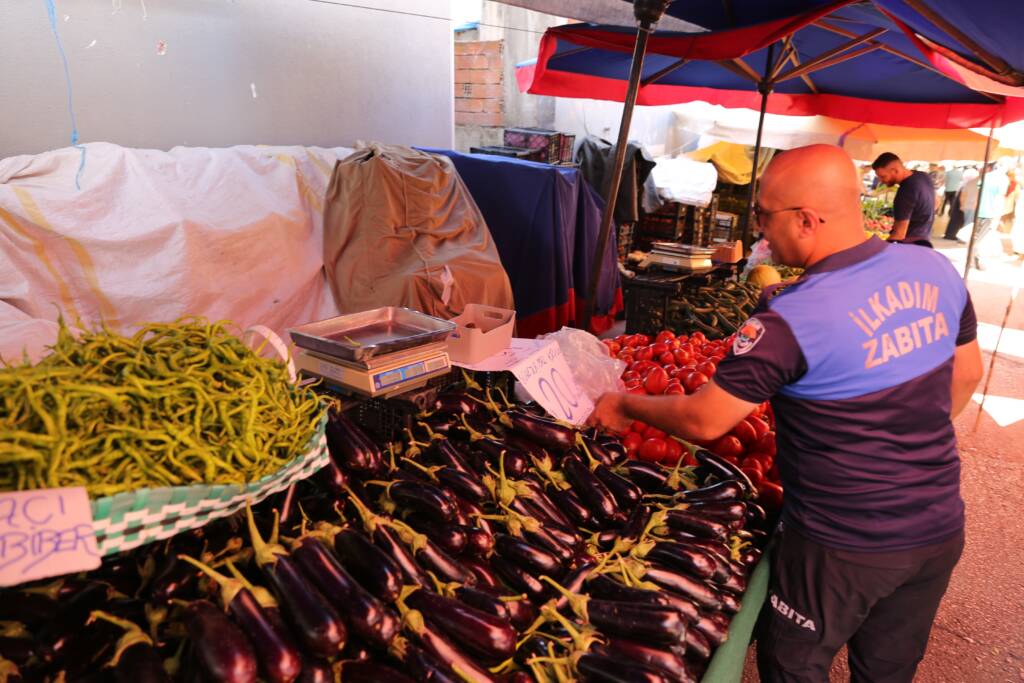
(609, 413)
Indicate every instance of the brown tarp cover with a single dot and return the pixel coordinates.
(401, 229)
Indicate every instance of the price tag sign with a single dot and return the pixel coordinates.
(545, 375)
(47, 532)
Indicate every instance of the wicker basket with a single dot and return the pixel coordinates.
(128, 520)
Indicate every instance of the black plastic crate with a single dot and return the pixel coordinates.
(650, 299)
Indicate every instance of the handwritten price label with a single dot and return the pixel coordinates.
(545, 375)
(45, 533)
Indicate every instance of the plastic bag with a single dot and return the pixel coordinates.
(759, 253)
(593, 369)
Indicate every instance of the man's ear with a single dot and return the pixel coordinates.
(808, 223)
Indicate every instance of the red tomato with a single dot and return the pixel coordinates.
(759, 425)
(645, 353)
(642, 367)
(630, 376)
(770, 496)
(698, 337)
(635, 384)
(613, 347)
(626, 357)
(755, 476)
(728, 447)
(745, 433)
(654, 433)
(641, 339)
(689, 460)
(667, 359)
(659, 348)
(638, 427)
(653, 450)
(638, 390)
(632, 442)
(681, 356)
(766, 444)
(694, 381)
(707, 367)
(665, 336)
(674, 387)
(656, 381)
(673, 451)
(622, 339)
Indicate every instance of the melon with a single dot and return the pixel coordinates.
(763, 275)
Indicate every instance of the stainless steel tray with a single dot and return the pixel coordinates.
(360, 336)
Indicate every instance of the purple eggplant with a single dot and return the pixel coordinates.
(687, 586)
(387, 540)
(219, 645)
(444, 452)
(626, 493)
(667, 658)
(730, 603)
(17, 649)
(368, 617)
(482, 600)
(539, 498)
(531, 558)
(697, 645)
(430, 556)
(573, 583)
(722, 510)
(372, 672)
(57, 633)
(611, 669)
(518, 579)
(482, 634)
(317, 624)
(436, 643)
(464, 485)
(648, 476)
(750, 557)
(599, 451)
(722, 491)
(571, 506)
(594, 494)
(632, 620)
(350, 447)
(725, 470)
(331, 478)
(424, 666)
(316, 671)
(687, 559)
(498, 454)
(423, 499)
(713, 627)
(485, 576)
(697, 524)
(546, 433)
(370, 566)
(454, 403)
(136, 658)
(479, 543)
(279, 659)
(451, 538)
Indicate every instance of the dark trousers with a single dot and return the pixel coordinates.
(947, 200)
(956, 218)
(881, 605)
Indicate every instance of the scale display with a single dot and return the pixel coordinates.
(385, 376)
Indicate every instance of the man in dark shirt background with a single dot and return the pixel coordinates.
(913, 209)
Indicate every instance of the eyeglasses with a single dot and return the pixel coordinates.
(760, 213)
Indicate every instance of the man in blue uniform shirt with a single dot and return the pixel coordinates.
(913, 209)
(866, 359)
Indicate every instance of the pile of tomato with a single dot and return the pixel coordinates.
(671, 364)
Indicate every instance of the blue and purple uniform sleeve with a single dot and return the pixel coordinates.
(764, 358)
(968, 324)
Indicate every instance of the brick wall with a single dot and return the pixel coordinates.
(479, 93)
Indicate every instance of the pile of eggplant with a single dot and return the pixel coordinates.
(489, 544)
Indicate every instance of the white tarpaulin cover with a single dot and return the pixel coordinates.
(152, 236)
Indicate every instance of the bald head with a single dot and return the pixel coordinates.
(810, 201)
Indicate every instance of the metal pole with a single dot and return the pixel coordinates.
(644, 29)
(977, 205)
(765, 87)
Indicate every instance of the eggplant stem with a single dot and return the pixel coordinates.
(592, 462)
(471, 383)
(429, 471)
(736, 547)
(370, 520)
(229, 588)
(266, 553)
(504, 399)
(133, 635)
(504, 667)
(474, 435)
(431, 434)
(576, 601)
(412, 538)
(13, 629)
(262, 595)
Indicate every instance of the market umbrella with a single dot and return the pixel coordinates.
(944, 64)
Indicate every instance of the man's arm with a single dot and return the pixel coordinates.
(703, 416)
(967, 372)
(899, 230)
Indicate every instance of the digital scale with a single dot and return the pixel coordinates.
(378, 353)
(678, 257)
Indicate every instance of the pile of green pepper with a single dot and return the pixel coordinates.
(174, 404)
(716, 311)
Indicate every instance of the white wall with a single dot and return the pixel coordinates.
(324, 74)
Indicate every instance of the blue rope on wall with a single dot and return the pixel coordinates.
(51, 11)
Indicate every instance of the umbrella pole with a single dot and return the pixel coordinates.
(765, 87)
(647, 14)
(977, 205)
